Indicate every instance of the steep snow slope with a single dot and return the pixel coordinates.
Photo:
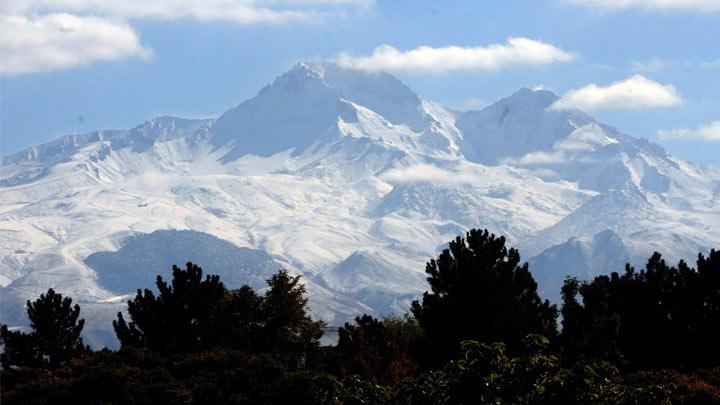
(349, 179)
(516, 125)
(304, 105)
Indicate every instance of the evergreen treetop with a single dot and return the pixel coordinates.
(479, 291)
(55, 336)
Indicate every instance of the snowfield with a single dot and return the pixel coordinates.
(350, 179)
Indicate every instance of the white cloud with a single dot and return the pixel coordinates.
(636, 92)
(707, 132)
(539, 158)
(239, 11)
(705, 6)
(516, 52)
(46, 35)
(430, 173)
(575, 148)
(59, 41)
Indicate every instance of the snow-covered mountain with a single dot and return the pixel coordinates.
(348, 178)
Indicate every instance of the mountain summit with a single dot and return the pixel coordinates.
(304, 104)
(348, 178)
(517, 125)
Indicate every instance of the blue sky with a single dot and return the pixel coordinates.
(655, 64)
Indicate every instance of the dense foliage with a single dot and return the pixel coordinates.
(379, 350)
(187, 316)
(55, 336)
(662, 316)
(479, 291)
(195, 314)
(481, 335)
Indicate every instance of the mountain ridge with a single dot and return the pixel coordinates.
(328, 170)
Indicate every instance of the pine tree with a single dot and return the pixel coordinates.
(288, 327)
(193, 314)
(187, 316)
(245, 319)
(708, 349)
(480, 292)
(55, 336)
(590, 329)
(364, 347)
(662, 316)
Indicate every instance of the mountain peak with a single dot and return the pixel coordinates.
(311, 68)
(526, 98)
(304, 104)
(377, 90)
(518, 124)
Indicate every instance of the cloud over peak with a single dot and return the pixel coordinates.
(634, 93)
(516, 52)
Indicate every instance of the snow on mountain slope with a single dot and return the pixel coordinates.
(501, 198)
(516, 125)
(583, 257)
(305, 104)
(35, 162)
(359, 274)
(645, 196)
(351, 180)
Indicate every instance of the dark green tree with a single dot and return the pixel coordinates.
(246, 320)
(662, 316)
(287, 327)
(479, 291)
(363, 346)
(55, 336)
(590, 330)
(626, 319)
(187, 316)
(707, 352)
(378, 349)
(19, 349)
(193, 314)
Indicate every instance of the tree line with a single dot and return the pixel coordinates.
(480, 334)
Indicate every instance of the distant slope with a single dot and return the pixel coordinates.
(143, 257)
(584, 258)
